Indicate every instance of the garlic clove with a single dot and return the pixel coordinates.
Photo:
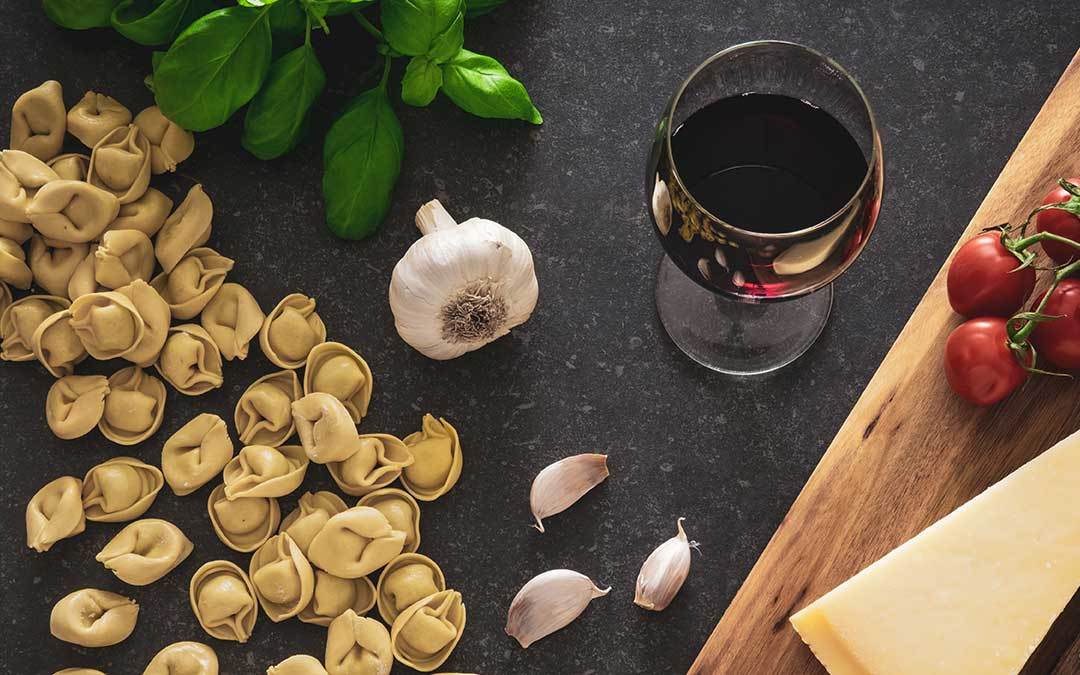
(664, 572)
(558, 486)
(548, 602)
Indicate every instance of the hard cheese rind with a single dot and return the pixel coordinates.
(973, 594)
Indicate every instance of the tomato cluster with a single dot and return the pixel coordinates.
(991, 279)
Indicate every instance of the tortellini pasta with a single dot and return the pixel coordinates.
(291, 331)
(244, 523)
(18, 232)
(334, 595)
(406, 580)
(145, 551)
(38, 121)
(120, 489)
(93, 618)
(82, 281)
(184, 658)
(95, 116)
(436, 464)
(424, 634)
(223, 600)
(263, 415)
(13, 267)
(190, 360)
(196, 453)
(309, 516)
(193, 282)
(53, 262)
(282, 578)
(70, 166)
(326, 430)
(233, 317)
(131, 322)
(120, 163)
(298, 664)
(123, 257)
(55, 512)
(78, 671)
(21, 320)
(262, 471)
(146, 214)
(21, 176)
(170, 143)
(356, 645)
(377, 462)
(56, 345)
(400, 509)
(355, 543)
(5, 297)
(134, 406)
(72, 211)
(188, 227)
(75, 405)
(339, 371)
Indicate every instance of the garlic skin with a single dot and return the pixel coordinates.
(548, 602)
(664, 572)
(460, 287)
(558, 486)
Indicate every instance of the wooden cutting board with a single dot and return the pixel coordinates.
(910, 451)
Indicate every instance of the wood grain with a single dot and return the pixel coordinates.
(910, 451)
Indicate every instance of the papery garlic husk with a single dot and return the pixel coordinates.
(460, 287)
(664, 572)
(558, 486)
(548, 602)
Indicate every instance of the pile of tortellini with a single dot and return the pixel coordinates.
(97, 233)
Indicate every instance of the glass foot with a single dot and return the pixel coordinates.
(737, 338)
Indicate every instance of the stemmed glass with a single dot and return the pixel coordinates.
(745, 286)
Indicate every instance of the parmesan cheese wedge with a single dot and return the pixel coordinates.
(973, 594)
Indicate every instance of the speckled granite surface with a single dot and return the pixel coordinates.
(953, 89)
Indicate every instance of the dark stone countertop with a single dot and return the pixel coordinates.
(953, 89)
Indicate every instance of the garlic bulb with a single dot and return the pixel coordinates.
(460, 287)
(664, 572)
(548, 602)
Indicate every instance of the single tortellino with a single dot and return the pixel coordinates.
(233, 317)
(18, 232)
(53, 262)
(309, 516)
(263, 415)
(95, 117)
(334, 596)
(245, 523)
(400, 509)
(145, 551)
(355, 543)
(291, 331)
(120, 489)
(21, 176)
(13, 267)
(21, 320)
(72, 211)
(356, 645)
(120, 163)
(82, 281)
(196, 453)
(55, 512)
(407, 579)
(38, 121)
(123, 257)
(134, 406)
(5, 297)
(436, 465)
(327, 432)
(335, 369)
(262, 471)
(187, 228)
(193, 282)
(75, 405)
(184, 658)
(70, 166)
(78, 671)
(93, 618)
(377, 462)
(190, 360)
(170, 143)
(146, 214)
(131, 322)
(223, 600)
(298, 664)
(424, 634)
(282, 577)
(56, 345)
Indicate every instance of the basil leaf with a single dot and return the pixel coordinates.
(79, 14)
(480, 85)
(277, 117)
(421, 82)
(481, 7)
(216, 65)
(156, 22)
(323, 8)
(361, 162)
(287, 20)
(256, 3)
(433, 28)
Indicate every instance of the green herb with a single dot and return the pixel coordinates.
(480, 85)
(432, 28)
(277, 117)
(480, 7)
(421, 82)
(288, 21)
(157, 22)
(79, 14)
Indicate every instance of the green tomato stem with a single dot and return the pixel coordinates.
(1019, 337)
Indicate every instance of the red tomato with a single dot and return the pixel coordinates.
(1059, 340)
(978, 362)
(1061, 223)
(981, 280)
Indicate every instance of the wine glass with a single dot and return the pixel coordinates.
(764, 183)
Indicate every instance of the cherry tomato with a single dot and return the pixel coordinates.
(1061, 223)
(982, 280)
(978, 362)
(1059, 339)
